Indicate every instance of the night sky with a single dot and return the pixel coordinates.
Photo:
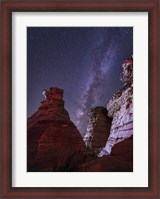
(84, 61)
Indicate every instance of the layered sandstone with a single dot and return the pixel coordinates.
(53, 141)
(120, 108)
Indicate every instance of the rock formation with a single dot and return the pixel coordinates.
(120, 159)
(55, 144)
(120, 108)
(98, 129)
(53, 141)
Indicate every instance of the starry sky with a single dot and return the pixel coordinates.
(84, 61)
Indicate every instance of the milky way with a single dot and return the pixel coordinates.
(85, 62)
(104, 55)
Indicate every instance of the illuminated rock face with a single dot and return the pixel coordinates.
(98, 129)
(120, 108)
(127, 74)
(53, 141)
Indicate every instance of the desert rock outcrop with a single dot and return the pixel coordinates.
(98, 128)
(120, 108)
(53, 141)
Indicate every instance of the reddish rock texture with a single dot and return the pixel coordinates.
(120, 159)
(98, 129)
(53, 141)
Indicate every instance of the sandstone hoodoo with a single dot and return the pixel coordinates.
(98, 128)
(53, 141)
(120, 108)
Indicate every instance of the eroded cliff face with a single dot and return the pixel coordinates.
(53, 141)
(98, 129)
(120, 108)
